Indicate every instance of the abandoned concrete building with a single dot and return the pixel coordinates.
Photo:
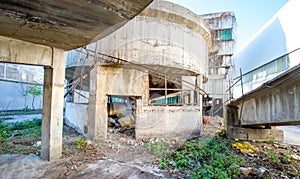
(30, 34)
(220, 64)
(267, 86)
(148, 75)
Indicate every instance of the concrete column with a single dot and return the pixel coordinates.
(53, 103)
(96, 126)
(54, 60)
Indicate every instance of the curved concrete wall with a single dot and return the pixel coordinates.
(164, 34)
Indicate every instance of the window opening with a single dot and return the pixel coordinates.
(164, 91)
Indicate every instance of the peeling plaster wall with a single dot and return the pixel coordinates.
(280, 105)
(166, 38)
(164, 35)
(16, 51)
(168, 121)
(169, 44)
(274, 103)
(120, 81)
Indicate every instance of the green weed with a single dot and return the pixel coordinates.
(15, 137)
(81, 142)
(205, 158)
(271, 155)
(159, 148)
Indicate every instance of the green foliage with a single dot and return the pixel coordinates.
(26, 124)
(19, 137)
(159, 148)
(287, 158)
(271, 154)
(80, 142)
(205, 158)
(35, 91)
(4, 132)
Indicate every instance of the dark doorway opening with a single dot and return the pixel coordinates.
(121, 112)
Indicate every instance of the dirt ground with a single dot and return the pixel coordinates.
(121, 156)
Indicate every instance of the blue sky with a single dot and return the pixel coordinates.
(250, 15)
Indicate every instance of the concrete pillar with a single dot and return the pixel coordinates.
(53, 103)
(54, 61)
(96, 126)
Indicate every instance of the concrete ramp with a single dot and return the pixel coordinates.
(275, 103)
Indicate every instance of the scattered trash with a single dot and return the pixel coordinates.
(261, 170)
(246, 171)
(245, 147)
(37, 144)
(295, 157)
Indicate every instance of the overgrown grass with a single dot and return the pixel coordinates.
(20, 112)
(19, 137)
(205, 158)
(159, 148)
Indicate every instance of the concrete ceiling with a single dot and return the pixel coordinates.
(65, 24)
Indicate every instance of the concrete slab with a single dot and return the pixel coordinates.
(65, 24)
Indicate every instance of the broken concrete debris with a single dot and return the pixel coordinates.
(127, 121)
(111, 122)
(123, 125)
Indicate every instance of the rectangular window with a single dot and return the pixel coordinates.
(12, 72)
(224, 34)
(164, 91)
(281, 64)
(270, 68)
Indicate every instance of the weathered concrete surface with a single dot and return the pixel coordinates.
(159, 48)
(65, 24)
(109, 81)
(276, 102)
(17, 51)
(53, 60)
(53, 106)
(146, 50)
(255, 134)
(168, 121)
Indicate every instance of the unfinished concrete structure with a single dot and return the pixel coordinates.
(152, 69)
(220, 64)
(39, 32)
(267, 91)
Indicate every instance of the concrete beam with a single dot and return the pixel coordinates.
(54, 61)
(65, 24)
(17, 51)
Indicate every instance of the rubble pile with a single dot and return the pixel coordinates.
(123, 125)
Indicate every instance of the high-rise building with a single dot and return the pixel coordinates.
(220, 63)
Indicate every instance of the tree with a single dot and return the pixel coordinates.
(22, 89)
(35, 91)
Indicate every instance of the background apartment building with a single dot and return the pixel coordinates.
(220, 64)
